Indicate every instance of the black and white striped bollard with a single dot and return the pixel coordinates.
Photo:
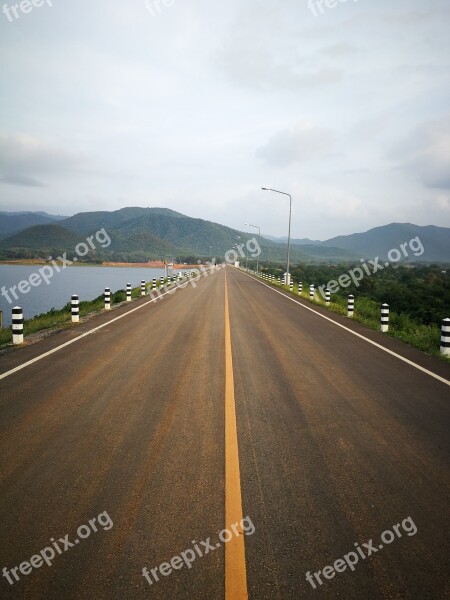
(128, 292)
(17, 325)
(445, 337)
(300, 288)
(75, 309)
(107, 296)
(350, 305)
(291, 286)
(154, 283)
(384, 322)
(279, 280)
(142, 288)
(327, 297)
(311, 291)
(162, 282)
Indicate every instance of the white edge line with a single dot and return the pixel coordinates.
(41, 356)
(406, 360)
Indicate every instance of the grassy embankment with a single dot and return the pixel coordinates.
(61, 319)
(401, 326)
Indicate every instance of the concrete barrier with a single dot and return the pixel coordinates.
(350, 305)
(75, 309)
(107, 296)
(445, 337)
(17, 325)
(384, 321)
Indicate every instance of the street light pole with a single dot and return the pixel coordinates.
(288, 275)
(259, 243)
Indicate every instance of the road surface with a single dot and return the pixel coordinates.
(141, 445)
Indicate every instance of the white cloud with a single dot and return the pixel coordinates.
(196, 108)
(24, 159)
(301, 143)
(425, 154)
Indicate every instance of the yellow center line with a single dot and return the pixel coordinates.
(235, 570)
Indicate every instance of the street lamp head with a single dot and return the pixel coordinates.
(265, 189)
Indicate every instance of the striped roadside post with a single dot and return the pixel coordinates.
(107, 296)
(279, 280)
(311, 291)
(162, 281)
(128, 292)
(154, 282)
(291, 286)
(300, 288)
(142, 288)
(350, 305)
(327, 297)
(445, 337)
(384, 322)
(17, 325)
(75, 309)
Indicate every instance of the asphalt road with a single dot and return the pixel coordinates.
(222, 400)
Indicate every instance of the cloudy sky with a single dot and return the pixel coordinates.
(194, 105)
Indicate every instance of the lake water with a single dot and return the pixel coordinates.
(87, 282)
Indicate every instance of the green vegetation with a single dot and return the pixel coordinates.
(419, 298)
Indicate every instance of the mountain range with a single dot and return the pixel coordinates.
(380, 240)
(141, 234)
